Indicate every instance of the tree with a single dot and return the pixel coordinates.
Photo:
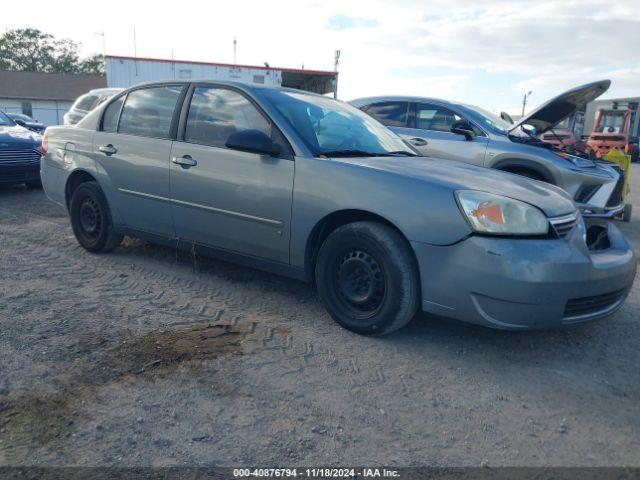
(29, 49)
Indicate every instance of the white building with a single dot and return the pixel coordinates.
(45, 97)
(127, 71)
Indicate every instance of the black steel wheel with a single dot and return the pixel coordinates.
(91, 219)
(367, 278)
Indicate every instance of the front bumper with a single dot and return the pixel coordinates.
(19, 173)
(521, 284)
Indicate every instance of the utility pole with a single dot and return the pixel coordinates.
(135, 51)
(524, 100)
(336, 62)
(235, 47)
(104, 42)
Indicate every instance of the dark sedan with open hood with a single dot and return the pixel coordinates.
(19, 154)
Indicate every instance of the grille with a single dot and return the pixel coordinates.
(616, 196)
(564, 225)
(19, 157)
(581, 307)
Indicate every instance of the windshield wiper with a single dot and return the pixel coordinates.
(406, 153)
(347, 153)
(362, 153)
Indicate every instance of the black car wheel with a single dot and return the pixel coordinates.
(367, 278)
(91, 219)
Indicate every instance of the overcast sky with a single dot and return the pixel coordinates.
(486, 53)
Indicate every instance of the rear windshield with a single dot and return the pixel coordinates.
(86, 102)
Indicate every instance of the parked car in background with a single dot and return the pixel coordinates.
(457, 131)
(27, 122)
(19, 154)
(310, 187)
(87, 102)
(563, 139)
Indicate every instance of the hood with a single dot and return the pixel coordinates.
(549, 114)
(552, 200)
(15, 136)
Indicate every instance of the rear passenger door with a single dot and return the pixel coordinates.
(228, 199)
(431, 135)
(133, 148)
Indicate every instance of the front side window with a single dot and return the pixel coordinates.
(148, 112)
(330, 127)
(435, 117)
(216, 113)
(111, 115)
(391, 114)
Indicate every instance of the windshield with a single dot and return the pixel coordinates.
(5, 120)
(611, 122)
(491, 121)
(329, 127)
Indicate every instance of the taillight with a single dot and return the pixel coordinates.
(45, 143)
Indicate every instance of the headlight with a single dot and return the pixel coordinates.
(498, 215)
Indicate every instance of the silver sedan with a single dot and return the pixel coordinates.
(313, 188)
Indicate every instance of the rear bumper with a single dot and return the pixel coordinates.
(520, 284)
(19, 173)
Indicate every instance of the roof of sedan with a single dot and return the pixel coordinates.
(400, 98)
(241, 85)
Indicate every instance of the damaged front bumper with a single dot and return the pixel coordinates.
(521, 284)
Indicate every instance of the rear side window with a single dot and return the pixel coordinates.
(216, 113)
(391, 114)
(148, 112)
(111, 115)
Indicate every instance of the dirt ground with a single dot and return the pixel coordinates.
(149, 357)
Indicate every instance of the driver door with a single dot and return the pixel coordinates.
(224, 198)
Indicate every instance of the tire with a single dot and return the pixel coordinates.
(91, 219)
(626, 213)
(34, 185)
(367, 278)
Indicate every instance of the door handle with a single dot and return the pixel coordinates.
(185, 161)
(108, 150)
(418, 142)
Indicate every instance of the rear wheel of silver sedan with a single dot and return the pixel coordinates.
(367, 278)
(91, 219)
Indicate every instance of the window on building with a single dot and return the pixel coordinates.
(391, 114)
(216, 113)
(148, 112)
(258, 79)
(184, 74)
(27, 109)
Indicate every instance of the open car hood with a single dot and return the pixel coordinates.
(549, 114)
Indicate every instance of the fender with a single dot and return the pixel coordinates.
(543, 171)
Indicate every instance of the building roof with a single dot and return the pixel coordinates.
(318, 81)
(47, 86)
(216, 64)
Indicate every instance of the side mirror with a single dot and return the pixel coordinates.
(20, 122)
(253, 141)
(506, 117)
(463, 128)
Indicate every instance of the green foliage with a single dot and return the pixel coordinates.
(29, 49)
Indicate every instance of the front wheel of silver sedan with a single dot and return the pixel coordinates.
(367, 278)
